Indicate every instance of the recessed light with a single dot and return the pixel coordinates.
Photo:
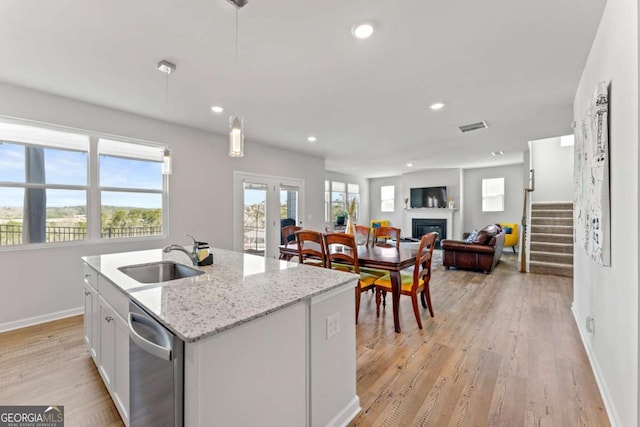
(437, 106)
(497, 153)
(363, 30)
(312, 139)
(217, 109)
(409, 165)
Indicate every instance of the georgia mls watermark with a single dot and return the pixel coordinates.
(32, 416)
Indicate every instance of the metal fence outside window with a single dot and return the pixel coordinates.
(12, 234)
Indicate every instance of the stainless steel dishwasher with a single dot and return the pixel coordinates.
(156, 372)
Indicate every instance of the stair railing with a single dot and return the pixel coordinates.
(525, 221)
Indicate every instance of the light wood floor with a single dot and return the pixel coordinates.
(503, 350)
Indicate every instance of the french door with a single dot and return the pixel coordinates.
(262, 206)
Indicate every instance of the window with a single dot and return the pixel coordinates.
(131, 189)
(493, 195)
(387, 195)
(337, 195)
(45, 187)
(338, 198)
(353, 193)
(327, 201)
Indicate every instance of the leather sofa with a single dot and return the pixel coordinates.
(481, 254)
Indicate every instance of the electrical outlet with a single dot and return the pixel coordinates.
(333, 325)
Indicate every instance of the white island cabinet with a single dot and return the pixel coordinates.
(266, 342)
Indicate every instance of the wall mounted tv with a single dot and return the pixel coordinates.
(429, 197)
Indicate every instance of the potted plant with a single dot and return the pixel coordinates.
(341, 217)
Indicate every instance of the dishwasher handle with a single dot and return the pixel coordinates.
(163, 352)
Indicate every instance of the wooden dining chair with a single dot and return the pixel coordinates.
(342, 251)
(417, 282)
(386, 233)
(362, 234)
(311, 250)
(289, 234)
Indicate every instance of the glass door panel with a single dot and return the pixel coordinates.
(254, 223)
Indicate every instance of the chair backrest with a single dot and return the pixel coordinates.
(289, 233)
(341, 248)
(310, 245)
(422, 267)
(392, 232)
(362, 234)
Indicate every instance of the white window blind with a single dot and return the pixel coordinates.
(31, 135)
(493, 195)
(387, 196)
(108, 147)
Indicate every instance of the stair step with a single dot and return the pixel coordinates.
(567, 221)
(555, 258)
(556, 248)
(552, 229)
(552, 206)
(550, 268)
(552, 238)
(556, 213)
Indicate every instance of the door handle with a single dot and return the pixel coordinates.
(163, 352)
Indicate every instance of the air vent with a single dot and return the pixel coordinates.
(474, 126)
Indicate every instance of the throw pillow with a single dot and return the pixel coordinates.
(482, 238)
(471, 236)
(508, 230)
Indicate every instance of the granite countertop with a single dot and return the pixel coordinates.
(236, 289)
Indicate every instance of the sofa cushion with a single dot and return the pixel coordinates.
(471, 236)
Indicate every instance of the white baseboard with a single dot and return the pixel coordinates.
(17, 324)
(344, 417)
(595, 367)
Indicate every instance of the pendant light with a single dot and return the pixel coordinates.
(167, 68)
(236, 123)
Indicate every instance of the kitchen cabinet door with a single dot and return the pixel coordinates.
(107, 342)
(91, 321)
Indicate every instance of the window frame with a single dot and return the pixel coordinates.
(328, 198)
(499, 195)
(92, 189)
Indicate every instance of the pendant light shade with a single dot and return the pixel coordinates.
(236, 136)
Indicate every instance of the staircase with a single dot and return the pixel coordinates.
(551, 239)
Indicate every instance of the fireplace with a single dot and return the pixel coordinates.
(422, 226)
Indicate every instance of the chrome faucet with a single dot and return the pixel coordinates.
(193, 255)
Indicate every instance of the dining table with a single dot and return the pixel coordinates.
(383, 258)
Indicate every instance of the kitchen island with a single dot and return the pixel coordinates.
(267, 342)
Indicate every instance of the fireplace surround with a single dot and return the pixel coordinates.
(422, 226)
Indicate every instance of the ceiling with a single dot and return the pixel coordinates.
(300, 72)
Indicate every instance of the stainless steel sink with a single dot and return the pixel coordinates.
(159, 272)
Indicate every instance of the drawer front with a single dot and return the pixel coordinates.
(114, 298)
(91, 277)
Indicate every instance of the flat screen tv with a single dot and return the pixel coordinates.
(429, 197)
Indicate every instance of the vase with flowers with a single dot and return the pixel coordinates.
(351, 218)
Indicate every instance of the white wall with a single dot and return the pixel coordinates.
(394, 217)
(553, 167)
(37, 283)
(451, 178)
(364, 194)
(610, 294)
(474, 218)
